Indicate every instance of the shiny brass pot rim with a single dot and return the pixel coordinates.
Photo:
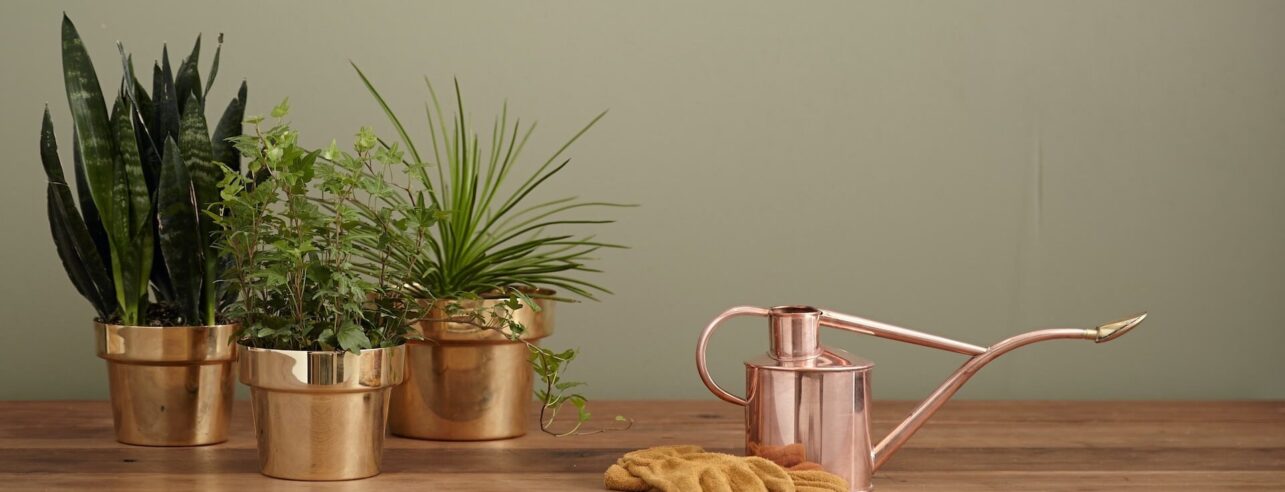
(310, 371)
(165, 345)
(435, 330)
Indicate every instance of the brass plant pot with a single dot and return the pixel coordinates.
(465, 383)
(170, 386)
(321, 415)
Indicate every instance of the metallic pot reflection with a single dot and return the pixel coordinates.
(321, 415)
(467, 383)
(170, 386)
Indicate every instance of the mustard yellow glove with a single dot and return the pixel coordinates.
(692, 469)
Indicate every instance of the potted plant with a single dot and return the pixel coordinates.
(491, 283)
(143, 172)
(322, 340)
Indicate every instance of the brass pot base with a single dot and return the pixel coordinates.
(170, 386)
(320, 436)
(321, 416)
(463, 392)
(168, 405)
(465, 383)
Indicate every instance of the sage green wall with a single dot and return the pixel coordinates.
(974, 169)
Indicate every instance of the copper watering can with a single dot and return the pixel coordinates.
(804, 396)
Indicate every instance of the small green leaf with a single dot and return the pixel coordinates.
(281, 109)
(332, 151)
(352, 338)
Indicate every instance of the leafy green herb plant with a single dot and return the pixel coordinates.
(144, 171)
(490, 243)
(292, 228)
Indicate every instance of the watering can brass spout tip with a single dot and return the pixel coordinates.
(1113, 330)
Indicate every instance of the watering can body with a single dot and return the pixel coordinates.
(808, 403)
(813, 411)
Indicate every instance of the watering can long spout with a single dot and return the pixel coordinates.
(980, 357)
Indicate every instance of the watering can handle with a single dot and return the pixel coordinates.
(701, 345)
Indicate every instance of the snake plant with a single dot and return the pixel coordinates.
(145, 173)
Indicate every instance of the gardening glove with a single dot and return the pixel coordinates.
(691, 469)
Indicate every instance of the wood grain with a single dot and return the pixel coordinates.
(971, 445)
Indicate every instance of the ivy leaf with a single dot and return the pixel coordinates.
(326, 336)
(352, 338)
(281, 109)
(581, 405)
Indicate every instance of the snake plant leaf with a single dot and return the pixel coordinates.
(197, 153)
(142, 106)
(144, 119)
(89, 115)
(140, 201)
(144, 243)
(76, 266)
(140, 114)
(187, 82)
(194, 143)
(149, 153)
(79, 255)
(146, 112)
(214, 69)
(49, 151)
(87, 209)
(177, 214)
(151, 162)
(124, 257)
(164, 102)
(162, 285)
(127, 147)
(229, 126)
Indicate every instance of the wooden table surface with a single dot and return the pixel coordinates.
(970, 445)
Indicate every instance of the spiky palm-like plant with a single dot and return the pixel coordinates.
(488, 242)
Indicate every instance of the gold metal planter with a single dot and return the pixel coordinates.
(170, 386)
(466, 383)
(321, 415)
